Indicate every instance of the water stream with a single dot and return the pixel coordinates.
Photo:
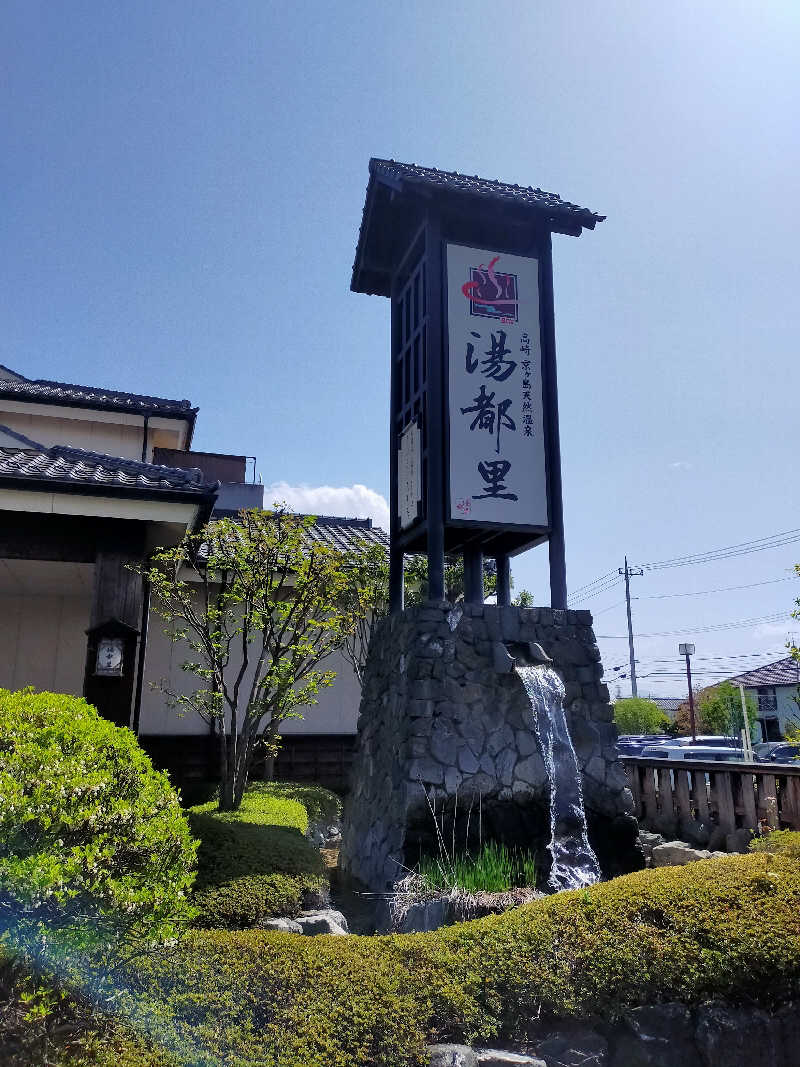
(574, 863)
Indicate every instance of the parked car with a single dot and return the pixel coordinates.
(710, 741)
(777, 752)
(706, 753)
(632, 744)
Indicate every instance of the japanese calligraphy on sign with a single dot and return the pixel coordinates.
(409, 475)
(497, 467)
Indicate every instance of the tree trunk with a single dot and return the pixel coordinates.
(227, 771)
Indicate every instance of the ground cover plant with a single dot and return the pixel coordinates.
(256, 861)
(275, 1000)
(252, 998)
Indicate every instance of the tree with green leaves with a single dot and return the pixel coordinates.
(718, 711)
(261, 606)
(636, 715)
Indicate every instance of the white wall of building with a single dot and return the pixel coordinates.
(111, 433)
(335, 713)
(43, 642)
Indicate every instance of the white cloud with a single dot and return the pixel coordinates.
(352, 501)
(681, 465)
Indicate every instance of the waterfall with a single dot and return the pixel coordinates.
(574, 863)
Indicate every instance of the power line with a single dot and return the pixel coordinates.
(706, 659)
(579, 591)
(603, 610)
(721, 589)
(778, 617)
(761, 544)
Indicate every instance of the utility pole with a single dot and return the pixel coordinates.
(688, 651)
(630, 572)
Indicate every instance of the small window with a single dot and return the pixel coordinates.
(767, 701)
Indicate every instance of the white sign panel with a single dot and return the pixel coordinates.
(497, 466)
(409, 475)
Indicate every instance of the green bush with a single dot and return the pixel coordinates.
(254, 862)
(684, 933)
(94, 848)
(779, 842)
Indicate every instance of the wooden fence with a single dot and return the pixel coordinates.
(692, 801)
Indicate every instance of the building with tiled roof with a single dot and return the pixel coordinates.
(776, 688)
(91, 481)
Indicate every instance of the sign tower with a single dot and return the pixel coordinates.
(474, 441)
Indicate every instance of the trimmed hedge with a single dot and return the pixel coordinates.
(726, 928)
(256, 861)
(94, 848)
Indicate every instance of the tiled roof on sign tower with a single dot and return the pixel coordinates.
(395, 200)
(452, 181)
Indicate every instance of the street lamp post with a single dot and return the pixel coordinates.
(688, 651)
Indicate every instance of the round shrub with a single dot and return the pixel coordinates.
(94, 848)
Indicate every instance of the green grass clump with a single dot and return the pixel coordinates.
(254, 862)
(495, 869)
(260, 807)
(779, 842)
(684, 934)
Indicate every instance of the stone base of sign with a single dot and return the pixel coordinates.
(446, 754)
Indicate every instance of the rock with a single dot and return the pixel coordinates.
(531, 771)
(467, 762)
(648, 842)
(738, 1037)
(658, 1036)
(425, 916)
(739, 840)
(286, 926)
(451, 1056)
(578, 1046)
(497, 1057)
(322, 922)
(676, 853)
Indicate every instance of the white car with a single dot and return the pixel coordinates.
(706, 753)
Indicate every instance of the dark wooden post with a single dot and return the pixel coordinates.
(503, 580)
(435, 412)
(558, 563)
(473, 576)
(396, 587)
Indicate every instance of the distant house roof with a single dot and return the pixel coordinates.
(15, 386)
(346, 534)
(387, 177)
(781, 672)
(670, 705)
(36, 466)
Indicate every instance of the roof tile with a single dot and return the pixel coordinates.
(781, 672)
(62, 464)
(462, 183)
(45, 392)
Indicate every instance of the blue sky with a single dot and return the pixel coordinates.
(182, 186)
